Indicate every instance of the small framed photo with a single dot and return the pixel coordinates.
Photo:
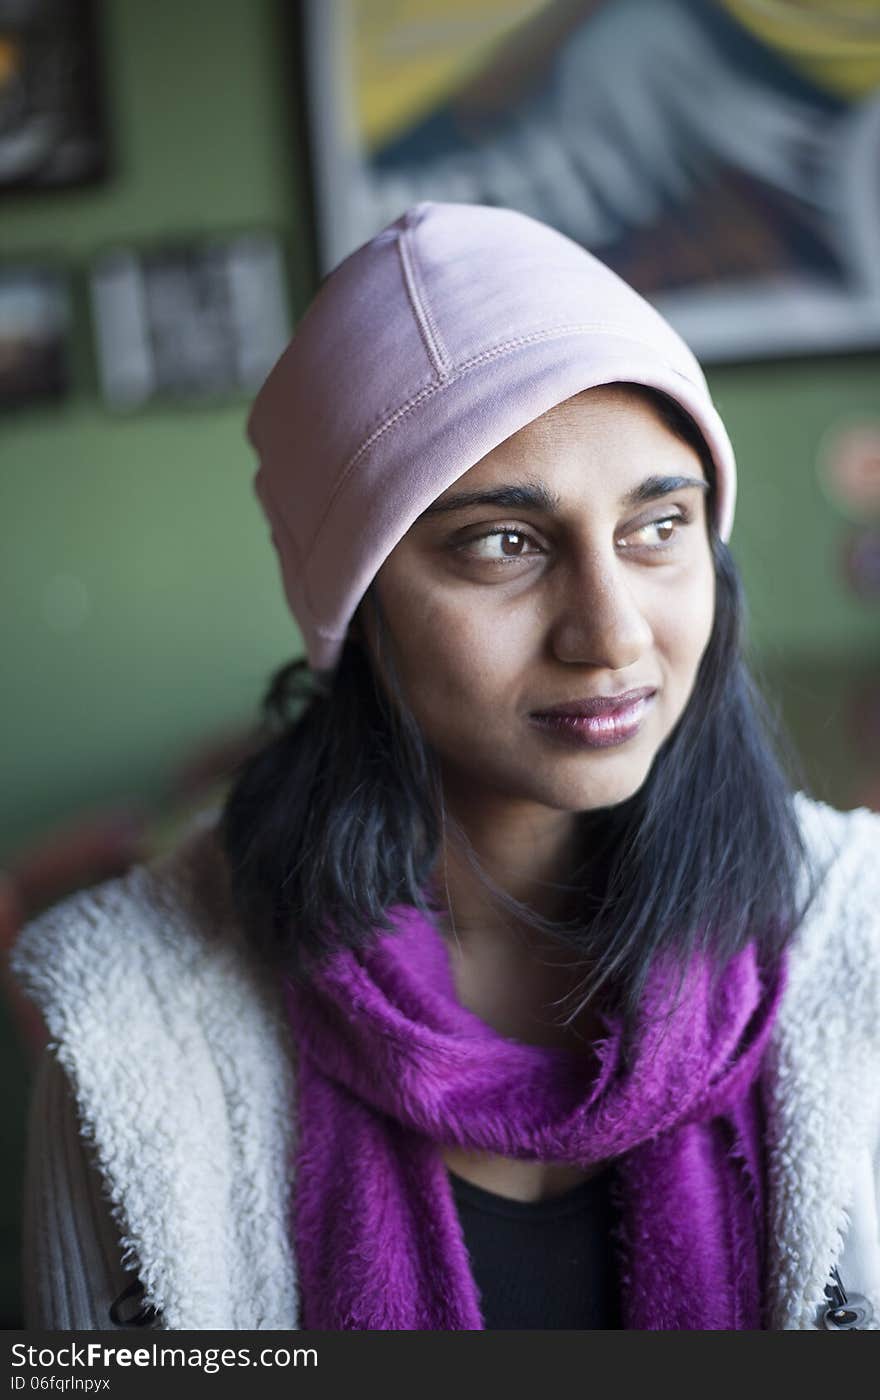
(53, 132)
(189, 320)
(35, 322)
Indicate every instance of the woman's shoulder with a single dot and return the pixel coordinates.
(178, 1057)
(843, 861)
(156, 941)
(835, 955)
(821, 1070)
(838, 837)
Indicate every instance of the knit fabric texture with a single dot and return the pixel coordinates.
(391, 1065)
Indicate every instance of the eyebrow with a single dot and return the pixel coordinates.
(535, 496)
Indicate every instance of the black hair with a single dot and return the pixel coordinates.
(338, 815)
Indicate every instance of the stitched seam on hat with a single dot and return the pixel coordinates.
(421, 310)
(383, 423)
(561, 331)
(387, 417)
(407, 407)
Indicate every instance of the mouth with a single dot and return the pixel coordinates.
(597, 721)
(595, 706)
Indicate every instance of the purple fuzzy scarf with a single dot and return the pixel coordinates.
(390, 1065)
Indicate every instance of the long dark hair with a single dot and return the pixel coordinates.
(339, 815)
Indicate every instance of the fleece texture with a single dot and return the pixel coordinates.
(391, 1064)
(182, 1060)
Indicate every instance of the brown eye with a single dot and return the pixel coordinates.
(497, 546)
(665, 532)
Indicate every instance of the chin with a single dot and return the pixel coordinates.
(590, 792)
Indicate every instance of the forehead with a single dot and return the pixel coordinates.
(604, 437)
(600, 416)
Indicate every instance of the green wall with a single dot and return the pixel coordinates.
(151, 516)
(787, 537)
(174, 616)
(145, 527)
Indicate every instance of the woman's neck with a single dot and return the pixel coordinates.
(529, 853)
(514, 977)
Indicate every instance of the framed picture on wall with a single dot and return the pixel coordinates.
(190, 319)
(722, 155)
(52, 122)
(35, 320)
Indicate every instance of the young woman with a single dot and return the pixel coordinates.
(516, 985)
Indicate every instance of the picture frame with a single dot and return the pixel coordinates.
(35, 333)
(189, 319)
(53, 125)
(721, 166)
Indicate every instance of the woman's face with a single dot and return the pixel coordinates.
(540, 579)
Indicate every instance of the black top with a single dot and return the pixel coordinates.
(541, 1264)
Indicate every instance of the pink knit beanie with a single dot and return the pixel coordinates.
(422, 351)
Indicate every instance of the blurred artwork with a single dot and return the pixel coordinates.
(848, 466)
(722, 155)
(861, 563)
(34, 334)
(52, 131)
(189, 321)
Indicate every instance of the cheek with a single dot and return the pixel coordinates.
(457, 660)
(687, 626)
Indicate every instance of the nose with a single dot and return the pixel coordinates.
(599, 619)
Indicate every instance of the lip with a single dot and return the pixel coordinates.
(596, 705)
(614, 725)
